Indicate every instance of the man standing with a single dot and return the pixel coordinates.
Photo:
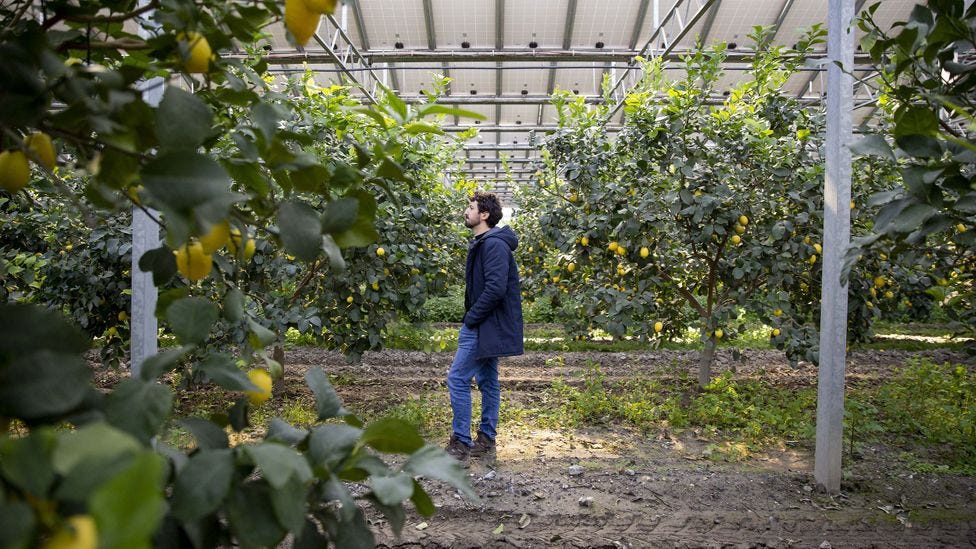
(492, 325)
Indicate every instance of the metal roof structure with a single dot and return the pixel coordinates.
(505, 57)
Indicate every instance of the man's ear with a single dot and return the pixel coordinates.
(484, 215)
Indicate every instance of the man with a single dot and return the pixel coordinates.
(492, 325)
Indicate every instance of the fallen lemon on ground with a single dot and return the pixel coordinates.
(192, 262)
(262, 379)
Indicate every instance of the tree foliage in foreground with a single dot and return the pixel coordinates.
(234, 171)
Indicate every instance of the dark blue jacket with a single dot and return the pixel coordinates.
(492, 294)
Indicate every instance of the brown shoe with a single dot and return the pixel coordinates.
(483, 446)
(457, 449)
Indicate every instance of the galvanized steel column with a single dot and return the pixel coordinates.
(837, 232)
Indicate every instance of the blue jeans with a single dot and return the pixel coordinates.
(485, 372)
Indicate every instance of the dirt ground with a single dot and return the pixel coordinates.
(610, 487)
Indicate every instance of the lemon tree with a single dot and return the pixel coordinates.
(205, 168)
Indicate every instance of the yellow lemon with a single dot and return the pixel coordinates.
(585, 241)
(14, 171)
(883, 257)
(555, 279)
(813, 259)
(300, 21)
(573, 198)
(196, 56)
(123, 316)
(79, 532)
(879, 281)
(889, 294)
(736, 239)
(852, 204)
(719, 333)
(349, 300)
(375, 286)
(621, 250)
(960, 227)
(40, 144)
(739, 229)
(571, 267)
(380, 252)
(262, 379)
(644, 252)
(778, 312)
(612, 246)
(216, 237)
(234, 244)
(321, 6)
(192, 262)
(818, 248)
(874, 293)
(776, 332)
(743, 220)
(658, 326)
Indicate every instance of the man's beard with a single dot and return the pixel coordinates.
(468, 224)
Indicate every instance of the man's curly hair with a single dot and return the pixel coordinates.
(488, 202)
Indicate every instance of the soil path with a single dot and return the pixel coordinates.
(612, 488)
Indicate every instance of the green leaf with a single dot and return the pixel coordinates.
(158, 364)
(25, 329)
(394, 514)
(279, 463)
(330, 445)
(290, 504)
(355, 533)
(340, 215)
(252, 516)
(421, 501)
(392, 435)
(209, 435)
(916, 120)
(191, 319)
(234, 305)
(332, 251)
(301, 230)
(160, 262)
(26, 461)
(282, 432)
(129, 508)
(391, 169)
(327, 402)
(139, 407)
(873, 145)
(363, 231)
(258, 336)
(415, 128)
(392, 490)
(919, 146)
(433, 462)
(16, 525)
(429, 110)
(43, 385)
(912, 217)
(183, 120)
(310, 537)
(183, 181)
(223, 371)
(202, 484)
(93, 441)
(334, 490)
(266, 117)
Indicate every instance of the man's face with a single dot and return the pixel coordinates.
(472, 218)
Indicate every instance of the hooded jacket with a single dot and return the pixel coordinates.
(493, 295)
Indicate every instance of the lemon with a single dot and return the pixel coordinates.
(349, 300)
(743, 220)
(719, 333)
(585, 241)
(14, 171)
(262, 379)
(612, 246)
(375, 286)
(818, 248)
(778, 312)
(300, 21)
(235, 243)
(571, 267)
(644, 252)
(852, 204)
(813, 259)
(889, 294)
(736, 239)
(79, 532)
(573, 198)
(216, 237)
(874, 293)
(621, 250)
(321, 6)
(879, 281)
(197, 52)
(555, 279)
(739, 229)
(658, 326)
(192, 262)
(380, 252)
(40, 144)
(776, 332)
(960, 227)
(123, 316)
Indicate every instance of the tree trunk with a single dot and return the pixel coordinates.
(705, 363)
(278, 354)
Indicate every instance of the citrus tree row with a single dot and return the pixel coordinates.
(698, 211)
(280, 205)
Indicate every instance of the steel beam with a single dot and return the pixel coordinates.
(639, 23)
(357, 14)
(707, 27)
(784, 12)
